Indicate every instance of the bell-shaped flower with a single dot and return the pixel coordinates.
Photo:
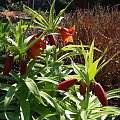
(67, 34)
(52, 39)
(34, 50)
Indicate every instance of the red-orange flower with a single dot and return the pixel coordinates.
(34, 50)
(67, 34)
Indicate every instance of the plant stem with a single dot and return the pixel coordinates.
(87, 97)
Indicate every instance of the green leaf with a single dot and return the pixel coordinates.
(92, 71)
(100, 67)
(51, 15)
(10, 94)
(83, 115)
(57, 19)
(78, 70)
(48, 115)
(15, 75)
(72, 47)
(113, 93)
(110, 92)
(66, 106)
(4, 86)
(32, 86)
(33, 89)
(37, 16)
(83, 52)
(25, 109)
(18, 34)
(8, 41)
(51, 101)
(91, 53)
(27, 27)
(46, 79)
(68, 55)
(104, 111)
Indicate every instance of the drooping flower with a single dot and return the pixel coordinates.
(91, 86)
(34, 50)
(52, 39)
(100, 93)
(8, 64)
(72, 30)
(82, 88)
(23, 67)
(67, 34)
(64, 85)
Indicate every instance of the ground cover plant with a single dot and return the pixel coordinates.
(40, 79)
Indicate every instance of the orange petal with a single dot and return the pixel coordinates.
(72, 30)
(39, 44)
(66, 36)
(69, 39)
(33, 52)
(33, 38)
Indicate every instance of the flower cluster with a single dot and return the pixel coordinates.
(99, 91)
(66, 34)
(9, 63)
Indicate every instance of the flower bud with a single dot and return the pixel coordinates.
(23, 67)
(91, 86)
(52, 40)
(100, 93)
(64, 85)
(8, 64)
(82, 88)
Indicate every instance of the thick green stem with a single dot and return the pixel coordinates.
(87, 97)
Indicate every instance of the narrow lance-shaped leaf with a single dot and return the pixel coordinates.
(36, 15)
(33, 89)
(25, 109)
(83, 52)
(92, 71)
(114, 91)
(80, 71)
(48, 115)
(46, 79)
(91, 53)
(4, 86)
(26, 31)
(100, 67)
(51, 101)
(57, 19)
(9, 96)
(18, 35)
(68, 55)
(51, 16)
